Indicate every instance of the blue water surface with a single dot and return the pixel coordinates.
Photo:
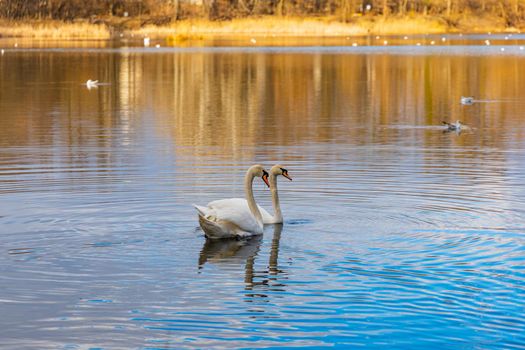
(397, 234)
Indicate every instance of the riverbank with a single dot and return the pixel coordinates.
(54, 30)
(106, 28)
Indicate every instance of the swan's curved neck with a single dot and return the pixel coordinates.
(278, 216)
(248, 180)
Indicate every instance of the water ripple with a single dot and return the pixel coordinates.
(395, 234)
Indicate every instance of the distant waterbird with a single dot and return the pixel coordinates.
(92, 84)
(457, 126)
(487, 42)
(467, 100)
(146, 41)
(2, 52)
(452, 126)
(253, 41)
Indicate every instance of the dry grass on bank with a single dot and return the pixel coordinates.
(274, 26)
(405, 25)
(253, 26)
(53, 30)
(263, 26)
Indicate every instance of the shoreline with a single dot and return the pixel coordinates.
(196, 29)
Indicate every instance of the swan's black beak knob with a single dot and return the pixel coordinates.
(285, 174)
(265, 178)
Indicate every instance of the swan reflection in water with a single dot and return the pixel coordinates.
(246, 251)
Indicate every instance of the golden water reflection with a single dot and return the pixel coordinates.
(231, 103)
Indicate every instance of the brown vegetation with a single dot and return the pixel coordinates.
(288, 26)
(280, 17)
(54, 30)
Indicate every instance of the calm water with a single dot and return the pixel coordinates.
(396, 234)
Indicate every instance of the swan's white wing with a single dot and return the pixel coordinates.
(235, 211)
(242, 205)
(266, 217)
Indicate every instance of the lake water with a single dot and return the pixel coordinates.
(397, 235)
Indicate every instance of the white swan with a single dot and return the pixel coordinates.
(227, 218)
(267, 218)
(275, 171)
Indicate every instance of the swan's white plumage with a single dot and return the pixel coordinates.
(227, 218)
(233, 210)
(241, 207)
(267, 217)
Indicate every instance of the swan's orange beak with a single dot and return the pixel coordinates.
(285, 174)
(265, 179)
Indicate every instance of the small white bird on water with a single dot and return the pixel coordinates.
(92, 84)
(146, 41)
(467, 100)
